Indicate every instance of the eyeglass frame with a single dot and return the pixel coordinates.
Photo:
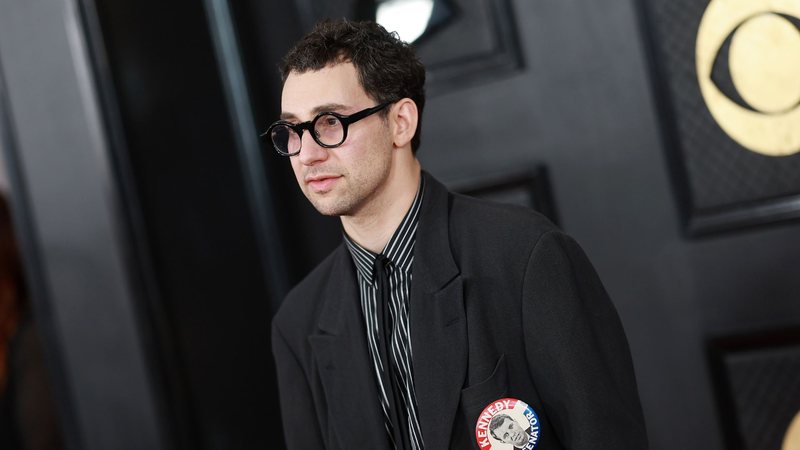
(345, 120)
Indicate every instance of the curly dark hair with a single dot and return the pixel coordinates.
(388, 68)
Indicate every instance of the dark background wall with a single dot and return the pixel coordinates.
(565, 104)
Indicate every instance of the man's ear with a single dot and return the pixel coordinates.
(403, 117)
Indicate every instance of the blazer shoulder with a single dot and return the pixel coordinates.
(493, 220)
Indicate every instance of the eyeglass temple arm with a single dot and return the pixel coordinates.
(361, 114)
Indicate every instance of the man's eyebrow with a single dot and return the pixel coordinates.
(327, 107)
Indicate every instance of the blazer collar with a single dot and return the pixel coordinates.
(438, 320)
(434, 265)
(343, 362)
(341, 309)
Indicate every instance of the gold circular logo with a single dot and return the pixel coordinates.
(792, 439)
(764, 63)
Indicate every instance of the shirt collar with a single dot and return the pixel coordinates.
(400, 248)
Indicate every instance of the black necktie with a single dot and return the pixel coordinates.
(397, 413)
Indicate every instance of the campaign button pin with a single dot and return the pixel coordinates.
(507, 424)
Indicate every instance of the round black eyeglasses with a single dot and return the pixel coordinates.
(329, 130)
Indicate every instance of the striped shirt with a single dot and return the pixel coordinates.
(400, 253)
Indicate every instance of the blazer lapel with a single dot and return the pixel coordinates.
(438, 321)
(344, 364)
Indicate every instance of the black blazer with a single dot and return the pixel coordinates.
(503, 304)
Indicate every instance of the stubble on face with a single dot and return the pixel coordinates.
(358, 188)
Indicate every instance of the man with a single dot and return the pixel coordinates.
(436, 305)
(506, 430)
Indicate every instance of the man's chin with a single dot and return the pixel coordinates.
(328, 209)
(332, 213)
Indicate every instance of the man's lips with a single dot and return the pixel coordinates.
(322, 183)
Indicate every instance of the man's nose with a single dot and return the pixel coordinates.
(311, 152)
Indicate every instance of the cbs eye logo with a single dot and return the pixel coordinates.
(764, 65)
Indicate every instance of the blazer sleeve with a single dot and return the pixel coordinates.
(298, 413)
(577, 350)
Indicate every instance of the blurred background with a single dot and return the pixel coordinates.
(148, 236)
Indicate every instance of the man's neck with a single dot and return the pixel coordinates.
(376, 222)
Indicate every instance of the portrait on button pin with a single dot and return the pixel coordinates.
(507, 424)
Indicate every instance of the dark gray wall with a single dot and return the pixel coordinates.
(70, 220)
(148, 266)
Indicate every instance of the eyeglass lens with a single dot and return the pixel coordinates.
(328, 130)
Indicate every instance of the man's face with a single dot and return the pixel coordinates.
(343, 180)
(510, 432)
